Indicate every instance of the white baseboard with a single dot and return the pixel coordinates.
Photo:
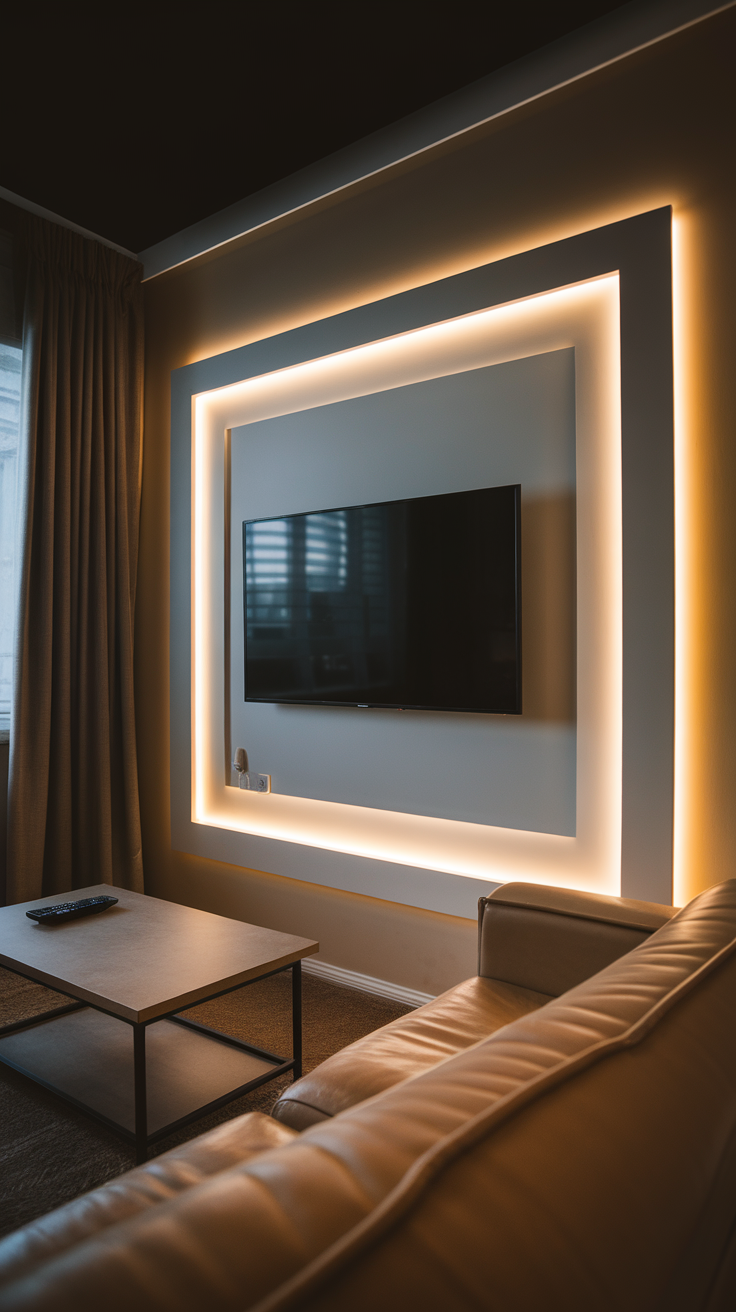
(351, 979)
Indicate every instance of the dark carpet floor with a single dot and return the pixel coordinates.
(50, 1152)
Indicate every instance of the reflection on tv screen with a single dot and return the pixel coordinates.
(411, 604)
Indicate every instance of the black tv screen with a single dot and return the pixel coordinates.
(405, 604)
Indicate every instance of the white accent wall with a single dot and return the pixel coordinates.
(506, 423)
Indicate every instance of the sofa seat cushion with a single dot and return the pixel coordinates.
(157, 1181)
(408, 1046)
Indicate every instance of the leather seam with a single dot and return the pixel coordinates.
(299, 1102)
(583, 915)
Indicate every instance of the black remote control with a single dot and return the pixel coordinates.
(61, 911)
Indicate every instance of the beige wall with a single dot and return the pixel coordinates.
(654, 129)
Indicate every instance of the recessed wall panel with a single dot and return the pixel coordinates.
(507, 423)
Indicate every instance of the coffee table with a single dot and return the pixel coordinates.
(119, 1050)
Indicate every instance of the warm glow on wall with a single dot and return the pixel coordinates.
(584, 316)
(688, 634)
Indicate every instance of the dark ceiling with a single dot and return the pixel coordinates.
(138, 130)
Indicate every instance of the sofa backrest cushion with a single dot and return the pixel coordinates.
(550, 939)
(581, 1157)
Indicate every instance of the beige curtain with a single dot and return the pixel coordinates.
(73, 816)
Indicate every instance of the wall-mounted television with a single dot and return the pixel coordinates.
(411, 605)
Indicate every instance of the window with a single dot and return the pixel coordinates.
(10, 363)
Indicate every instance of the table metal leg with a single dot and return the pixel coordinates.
(141, 1116)
(296, 1017)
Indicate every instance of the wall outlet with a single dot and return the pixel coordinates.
(255, 783)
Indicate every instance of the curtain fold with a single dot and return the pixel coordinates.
(73, 814)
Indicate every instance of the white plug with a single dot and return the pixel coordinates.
(255, 783)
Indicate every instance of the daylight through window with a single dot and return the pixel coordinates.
(10, 362)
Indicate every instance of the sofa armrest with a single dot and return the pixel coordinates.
(550, 939)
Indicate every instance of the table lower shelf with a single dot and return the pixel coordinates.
(87, 1057)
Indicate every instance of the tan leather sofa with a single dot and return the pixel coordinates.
(534, 943)
(559, 1133)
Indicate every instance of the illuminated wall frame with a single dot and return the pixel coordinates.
(638, 251)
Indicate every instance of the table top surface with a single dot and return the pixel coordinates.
(144, 957)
